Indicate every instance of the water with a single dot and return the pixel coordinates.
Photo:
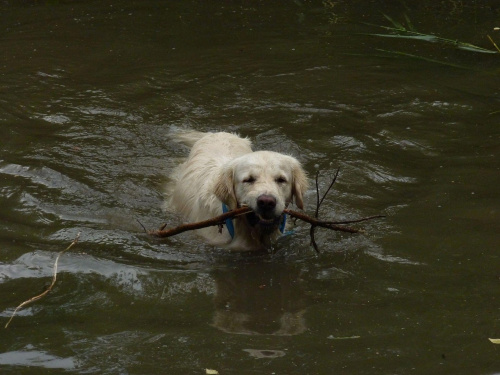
(90, 93)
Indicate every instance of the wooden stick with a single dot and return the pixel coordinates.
(356, 220)
(319, 202)
(218, 220)
(314, 221)
(221, 219)
(36, 298)
(320, 223)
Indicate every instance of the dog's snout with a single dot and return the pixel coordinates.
(266, 202)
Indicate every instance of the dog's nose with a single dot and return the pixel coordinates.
(266, 202)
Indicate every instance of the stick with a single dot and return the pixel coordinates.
(356, 220)
(316, 213)
(218, 220)
(333, 225)
(318, 205)
(319, 202)
(36, 298)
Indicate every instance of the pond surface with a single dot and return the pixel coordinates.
(91, 92)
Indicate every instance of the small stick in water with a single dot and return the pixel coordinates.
(54, 278)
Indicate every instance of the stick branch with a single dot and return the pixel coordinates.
(218, 220)
(319, 202)
(323, 224)
(54, 278)
(221, 219)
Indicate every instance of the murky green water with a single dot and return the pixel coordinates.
(89, 93)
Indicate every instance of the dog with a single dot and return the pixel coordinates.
(223, 173)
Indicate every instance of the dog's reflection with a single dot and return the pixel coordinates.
(259, 299)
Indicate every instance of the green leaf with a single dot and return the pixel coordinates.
(396, 24)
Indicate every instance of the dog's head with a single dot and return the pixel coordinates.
(265, 181)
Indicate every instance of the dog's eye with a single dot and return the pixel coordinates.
(249, 180)
(281, 180)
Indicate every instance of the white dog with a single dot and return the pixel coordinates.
(223, 173)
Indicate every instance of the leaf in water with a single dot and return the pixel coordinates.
(410, 32)
(473, 48)
(495, 341)
(397, 25)
(398, 53)
(435, 39)
(408, 22)
(211, 372)
(426, 38)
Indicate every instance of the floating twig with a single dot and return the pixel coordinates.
(54, 278)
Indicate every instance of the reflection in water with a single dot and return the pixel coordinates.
(259, 299)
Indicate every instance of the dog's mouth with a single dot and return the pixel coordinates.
(265, 224)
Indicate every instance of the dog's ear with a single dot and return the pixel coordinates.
(224, 188)
(299, 185)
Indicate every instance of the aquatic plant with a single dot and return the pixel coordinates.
(406, 30)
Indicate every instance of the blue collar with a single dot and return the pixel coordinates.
(229, 222)
(230, 225)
